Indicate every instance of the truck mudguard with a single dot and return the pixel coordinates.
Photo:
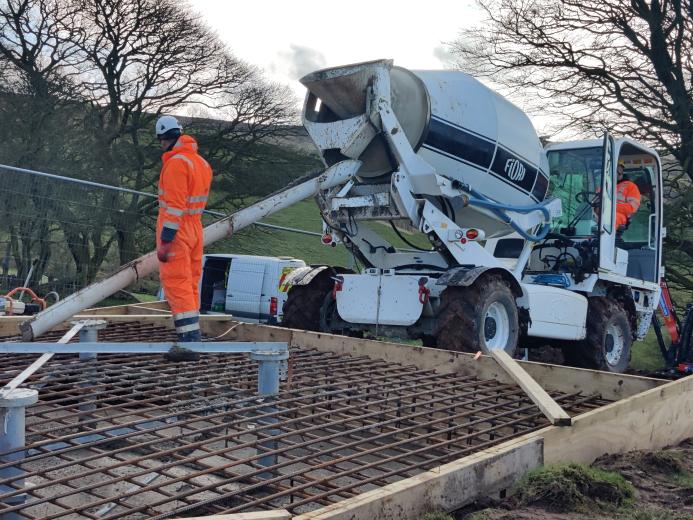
(304, 275)
(466, 276)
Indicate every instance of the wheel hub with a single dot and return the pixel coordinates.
(496, 326)
(489, 328)
(614, 344)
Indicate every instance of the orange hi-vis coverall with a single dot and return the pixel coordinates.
(627, 201)
(183, 190)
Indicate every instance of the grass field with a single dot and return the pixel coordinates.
(256, 240)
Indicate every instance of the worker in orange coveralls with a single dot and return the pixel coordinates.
(627, 197)
(183, 190)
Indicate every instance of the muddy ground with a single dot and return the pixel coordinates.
(634, 486)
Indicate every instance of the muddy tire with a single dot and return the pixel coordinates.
(428, 340)
(609, 337)
(328, 313)
(302, 306)
(479, 317)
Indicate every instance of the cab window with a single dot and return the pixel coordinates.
(575, 178)
(637, 233)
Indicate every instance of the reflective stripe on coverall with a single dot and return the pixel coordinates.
(627, 201)
(183, 190)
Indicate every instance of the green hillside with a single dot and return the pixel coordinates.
(256, 240)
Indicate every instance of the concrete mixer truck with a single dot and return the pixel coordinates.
(522, 247)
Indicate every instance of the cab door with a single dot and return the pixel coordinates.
(607, 225)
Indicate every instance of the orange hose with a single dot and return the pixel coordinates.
(34, 297)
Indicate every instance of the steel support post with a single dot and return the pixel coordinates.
(271, 364)
(12, 439)
(89, 333)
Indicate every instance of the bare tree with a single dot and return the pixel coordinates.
(38, 56)
(625, 66)
(152, 57)
(81, 82)
(622, 65)
(248, 116)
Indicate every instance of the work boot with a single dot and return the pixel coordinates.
(176, 353)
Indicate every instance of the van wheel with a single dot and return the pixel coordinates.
(302, 306)
(609, 336)
(482, 317)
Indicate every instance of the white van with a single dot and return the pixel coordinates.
(248, 287)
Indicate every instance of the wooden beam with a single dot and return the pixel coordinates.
(445, 488)
(9, 325)
(648, 421)
(146, 318)
(230, 330)
(277, 514)
(550, 408)
(551, 377)
(157, 307)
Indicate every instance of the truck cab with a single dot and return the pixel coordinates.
(583, 176)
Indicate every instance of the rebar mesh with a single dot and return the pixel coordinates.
(137, 437)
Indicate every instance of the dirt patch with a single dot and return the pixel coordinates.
(654, 485)
(573, 487)
(662, 478)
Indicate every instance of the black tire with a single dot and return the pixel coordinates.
(328, 310)
(608, 328)
(429, 341)
(575, 354)
(302, 306)
(463, 323)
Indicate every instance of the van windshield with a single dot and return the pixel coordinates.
(575, 177)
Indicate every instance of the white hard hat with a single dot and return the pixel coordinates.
(167, 123)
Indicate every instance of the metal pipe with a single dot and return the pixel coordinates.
(269, 366)
(89, 334)
(12, 439)
(292, 230)
(134, 192)
(238, 347)
(36, 365)
(224, 228)
(28, 277)
(76, 181)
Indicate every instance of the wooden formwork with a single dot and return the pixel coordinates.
(646, 414)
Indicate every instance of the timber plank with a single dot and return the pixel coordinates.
(446, 487)
(648, 421)
(551, 377)
(277, 514)
(550, 408)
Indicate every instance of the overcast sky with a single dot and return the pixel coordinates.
(293, 37)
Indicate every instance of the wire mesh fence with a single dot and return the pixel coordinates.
(61, 234)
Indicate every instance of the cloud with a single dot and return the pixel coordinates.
(443, 55)
(299, 61)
